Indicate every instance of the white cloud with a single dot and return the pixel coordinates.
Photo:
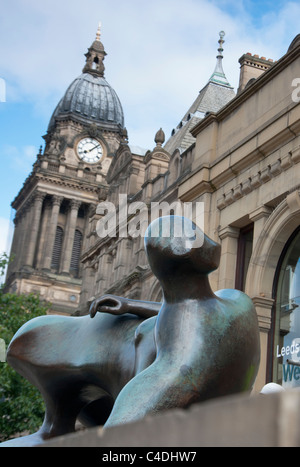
(21, 158)
(160, 53)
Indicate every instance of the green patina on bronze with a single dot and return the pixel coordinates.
(132, 358)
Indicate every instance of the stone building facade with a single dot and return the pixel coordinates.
(246, 170)
(238, 155)
(115, 263)
(67, 182)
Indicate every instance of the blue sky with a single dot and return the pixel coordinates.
(160, 54)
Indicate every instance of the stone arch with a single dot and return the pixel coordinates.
(273, 237)
(276, 232)
(174, 167)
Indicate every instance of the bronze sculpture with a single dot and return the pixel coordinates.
(132, 358)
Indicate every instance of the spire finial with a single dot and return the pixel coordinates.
(218, 76)
(221, 42)
(98, 32)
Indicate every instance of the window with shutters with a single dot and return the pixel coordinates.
(56, 254)
(74, 267)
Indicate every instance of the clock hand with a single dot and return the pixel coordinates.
(89, 150)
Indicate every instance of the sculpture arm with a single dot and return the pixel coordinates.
(120, 305)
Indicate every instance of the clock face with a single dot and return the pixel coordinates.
(90, 150)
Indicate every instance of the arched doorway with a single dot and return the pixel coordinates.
(286, 347)
(271, 243)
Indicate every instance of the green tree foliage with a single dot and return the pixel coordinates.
(21, 405)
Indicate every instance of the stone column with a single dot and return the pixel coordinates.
(259, 217)
(99, 276)
(23, 213)
(87, 227)
(119, 269)
(263, 306)
(12, 266)
(69, 236)
(108, 270)
(229, 236)
(34, 227)
(128, 261)
(26, 232)
(45, 222)
(49, 243)
(88, 290)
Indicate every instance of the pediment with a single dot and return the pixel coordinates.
(157, 154)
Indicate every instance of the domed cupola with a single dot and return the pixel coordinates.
(90, 98)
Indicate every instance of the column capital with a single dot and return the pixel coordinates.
(293, 201)
(229, 231)
(75, 204)
(57, 200)
(39, 196)
(21, 213)
(35, 198)
(263, 306)
(259, 213)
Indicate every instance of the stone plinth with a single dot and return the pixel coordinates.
(261, 420)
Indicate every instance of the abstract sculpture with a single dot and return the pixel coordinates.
(132, 358)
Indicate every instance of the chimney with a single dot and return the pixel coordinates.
(252, 66)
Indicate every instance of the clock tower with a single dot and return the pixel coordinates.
(68, 180)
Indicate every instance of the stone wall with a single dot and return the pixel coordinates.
(238, 421)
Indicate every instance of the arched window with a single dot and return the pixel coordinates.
(286, 361)
(95, 63)
(75, 258)
(56, 253)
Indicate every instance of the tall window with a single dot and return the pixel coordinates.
(95, 63)
(76, 252)
(244, 252)
(286, 352)
(56, 254)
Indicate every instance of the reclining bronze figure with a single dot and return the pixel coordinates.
(131, 358)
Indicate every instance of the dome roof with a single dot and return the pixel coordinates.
(90, 97)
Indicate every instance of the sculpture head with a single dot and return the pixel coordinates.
(175, 243)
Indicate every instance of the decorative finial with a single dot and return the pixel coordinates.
(98, 32)
(221, 42)
(218, 76)
(159, 138)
